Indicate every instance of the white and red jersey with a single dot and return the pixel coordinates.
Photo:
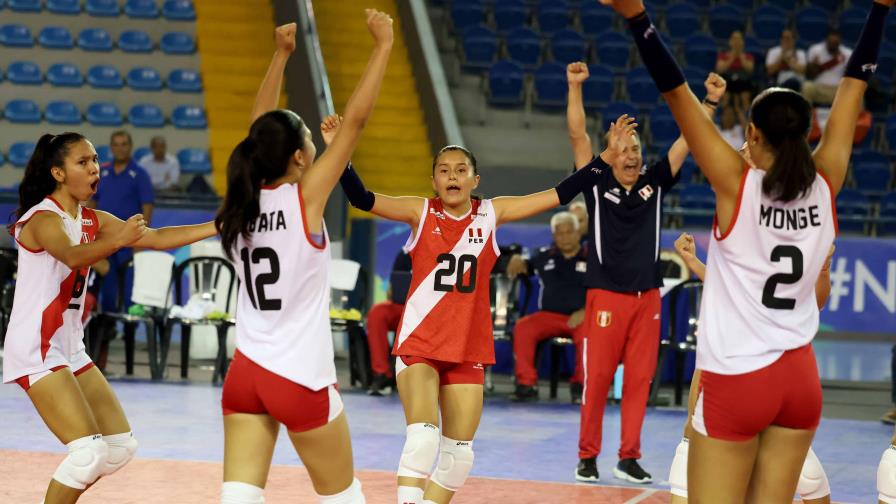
(447, 316)
(759, 293)
(283, 305)
(45, 328)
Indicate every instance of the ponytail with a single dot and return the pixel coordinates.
(792, 171)
(38, 181)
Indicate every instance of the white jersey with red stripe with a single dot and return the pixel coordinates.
(759, 292)
(283, 305)
(447, 316)
(45, 328)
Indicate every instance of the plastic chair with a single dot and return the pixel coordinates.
(567, 46)
(95, 39)
(16, 35)
(104, 114)
(524, 47)
(56, 37)
(20, 153)
(682, 20)
(67, 7)
(194, 161)
(22, 111)
(25, 73)
(505, 87)
(479, 48)
(812, 24)
(853, 210)
(102, 8)
(144, 79)
(724, 19)
(65, 75)
(613, 50)
(141, 9)
(146, 115)
(24, 5)
(183, 80)
(510, 14)
(189, 117)
(179, 10)
(550, 86)
(104, 77)
(177, 43)
(597, 91)
(62, 112)
(135, 41)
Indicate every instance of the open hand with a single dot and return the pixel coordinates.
(621, 132)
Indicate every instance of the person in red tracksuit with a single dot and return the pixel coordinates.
(382, 318)
(561, 305)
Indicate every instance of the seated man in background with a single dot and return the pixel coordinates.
(382, 318)
(163, 168)
(561, 272)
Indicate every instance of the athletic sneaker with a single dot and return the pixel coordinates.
(630, 470)
(575, 392)
(381, 386)
(586, 471)
(524, 393)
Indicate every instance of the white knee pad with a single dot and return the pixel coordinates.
(85, 462)
(678, 473)
(455, 462)
(121, 450)
(237, 492)
(813, 482)
(351, 495)
(886, 476)
(421, 448)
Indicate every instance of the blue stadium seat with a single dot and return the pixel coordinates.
(886, 60)
(829, 5)
(851, 22)
(104, 154)
(22, 111)
(524, 47)
(20, 153)
(104, 76)
(144, 79)
(871, 172)
(642, 91)
(510, 14)
(613, 50)
(139, 152)
(568, 46)
(891, 28)
(700, 51)
(855, 206)
(16, 35)
(104, 114)
(505, 84)
(65, 74)
(146, 115)
(141, 9)
(135, 41)
(697, 197)
(24, 5)
(25, 73)
(69, 7)
(595, 18)
(887, 211)
(466, 14)
(664, 132)
(62, 112)
(550, 86)
(696, 77)
(177, 43)
(597, 91)
(95, 39)
(768, 23)
(890, 130)
(189, 117)
(552, 15)
(194, 162)
(688, 172)
(742, 5)
(56, 37)
(103, 8)
(179, 10)
(812, 24)
(615, 109)
(480, 48)
(183, 80)
(682, 20)
(724, 19)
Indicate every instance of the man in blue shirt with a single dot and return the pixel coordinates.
(125, 190)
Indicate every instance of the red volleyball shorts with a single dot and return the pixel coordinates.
(450, 373)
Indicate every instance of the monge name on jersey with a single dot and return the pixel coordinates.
(789, 218)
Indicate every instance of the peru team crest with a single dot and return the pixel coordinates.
(604, 318)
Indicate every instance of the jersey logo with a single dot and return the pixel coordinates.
(646, 192)
(87, 222)
(475, 235)
(597, 170)
(869, 67)
(478, 365)
(437, 230)
(612, 197)
(549, 265)
(604, 318)
(439, 215)
(581, 266)
(615, 190)
(85, 237)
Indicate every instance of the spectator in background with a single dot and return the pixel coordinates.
(736, 66)
(731, 125)
(561, 269)
(382, 318)
(825, 67)
(163, 168)
(786, 63)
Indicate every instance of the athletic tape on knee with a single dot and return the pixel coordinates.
(813, 482)
(351, 495)
(421, 448)
(678, 473)
(237, 492)
(121, 450)
(455, 462)
(85, 462)
(886, 476)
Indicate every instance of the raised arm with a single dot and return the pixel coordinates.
(268, 96)
(833, 152)
(157, 239)
(715, 90)
(720, 163)
(687, 249)
(576, 74)
(45, 231)
(319, 180)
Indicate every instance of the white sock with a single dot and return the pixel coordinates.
(237, 492)
(410, 495)
(351, 495)
(427, 501)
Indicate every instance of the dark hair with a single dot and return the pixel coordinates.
(449, 148)
(38, 182)
(784, 118)
(262, 156)
(124, 133)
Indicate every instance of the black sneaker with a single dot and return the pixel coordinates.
(586, 471)
(575, 392)
(524, 393)
(629, 470)
(381, 386)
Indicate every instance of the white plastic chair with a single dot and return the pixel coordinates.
(344, 274)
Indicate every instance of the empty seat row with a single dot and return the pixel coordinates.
(96, 39)
(105, 77)
(144, 115)
(174, 10)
